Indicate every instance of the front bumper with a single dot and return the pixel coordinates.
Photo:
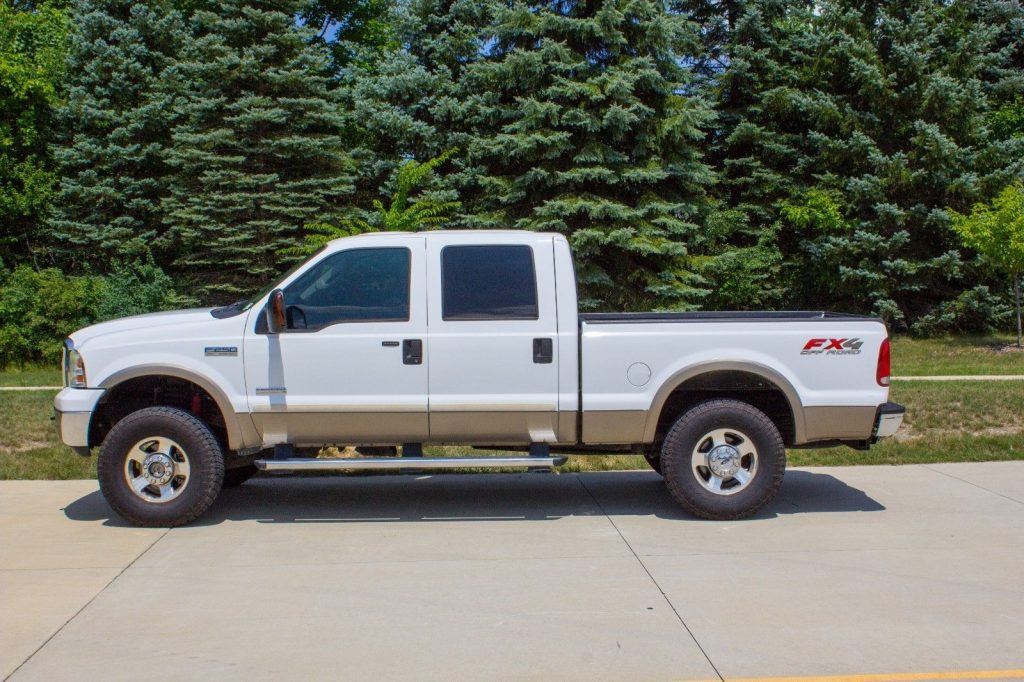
(73, 408)
(888, 420)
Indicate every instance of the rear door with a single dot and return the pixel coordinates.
(492, 358)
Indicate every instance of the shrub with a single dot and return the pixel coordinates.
(38, 309)
(976, 311)
(135, 289)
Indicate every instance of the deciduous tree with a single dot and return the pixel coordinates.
(33, 45)
(996, 231)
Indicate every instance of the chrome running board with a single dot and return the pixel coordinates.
(418, 463)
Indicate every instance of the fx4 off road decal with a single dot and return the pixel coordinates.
(832, 347)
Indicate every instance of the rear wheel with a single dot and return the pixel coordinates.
(160, 466)
(723, 460)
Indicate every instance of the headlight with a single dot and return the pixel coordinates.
(74, 366)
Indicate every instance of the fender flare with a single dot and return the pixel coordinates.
(240, 429)
(765, 372)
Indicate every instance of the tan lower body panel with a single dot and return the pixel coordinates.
(838, 423)
(342, 428)
(495, 428)
(388, 428)
(613, 426)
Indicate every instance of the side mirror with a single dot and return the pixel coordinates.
(276, 322)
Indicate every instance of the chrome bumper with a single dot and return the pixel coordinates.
(888, 420)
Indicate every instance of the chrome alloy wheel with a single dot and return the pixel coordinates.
(724, 461)
(156, 469)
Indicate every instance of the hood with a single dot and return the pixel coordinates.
(170, 318)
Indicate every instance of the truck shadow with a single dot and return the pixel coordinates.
(480, 497)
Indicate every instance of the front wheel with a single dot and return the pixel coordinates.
(723, 460)
(160, 466)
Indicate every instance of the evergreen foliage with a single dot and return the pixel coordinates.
(581, 125)
(899, 133)
(404, 212)
(410, 102)
(116, 126)
(257, 152)
(851, 129)
(729, 154)
(351, 29)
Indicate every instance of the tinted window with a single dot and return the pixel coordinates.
(358, 285)
(488, 283)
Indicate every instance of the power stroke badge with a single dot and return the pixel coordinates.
(832, 347)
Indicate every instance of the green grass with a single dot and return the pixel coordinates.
(946, 421)
(31, 375)
(29, 446)
(956, 355)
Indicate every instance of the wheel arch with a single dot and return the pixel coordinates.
(737, 377)
(238, 434)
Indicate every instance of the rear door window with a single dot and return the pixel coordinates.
(487, 282)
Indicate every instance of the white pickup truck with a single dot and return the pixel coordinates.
(461, 337)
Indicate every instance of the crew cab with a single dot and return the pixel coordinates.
(395, 340)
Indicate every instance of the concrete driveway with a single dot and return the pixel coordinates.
(852, 571)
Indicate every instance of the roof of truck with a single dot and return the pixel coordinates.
(428, 233)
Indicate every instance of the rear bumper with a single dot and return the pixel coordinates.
(888, 420)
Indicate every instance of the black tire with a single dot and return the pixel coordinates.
(238, 475)
(200, 448)
(687, 435)
(653, 458)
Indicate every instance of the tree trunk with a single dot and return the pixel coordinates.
(1016, 295)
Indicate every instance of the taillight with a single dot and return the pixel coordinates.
(883, 371)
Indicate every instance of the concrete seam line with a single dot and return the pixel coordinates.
(979, 487)
(894, 677)
(650, 575)
(86, 604)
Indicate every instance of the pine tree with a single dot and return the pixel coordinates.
(752, 55)
(896, 116)
(761, 118)
(349, 28)
(258, 152)
(116, 124)
(582, 124)
(410, 101)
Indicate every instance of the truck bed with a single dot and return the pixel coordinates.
(726, 316)
(822, 364)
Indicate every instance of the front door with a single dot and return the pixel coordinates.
(493, 353)
(351, 367)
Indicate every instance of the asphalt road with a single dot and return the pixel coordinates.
(912, 570)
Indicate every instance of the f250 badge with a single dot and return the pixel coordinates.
(832, 347)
